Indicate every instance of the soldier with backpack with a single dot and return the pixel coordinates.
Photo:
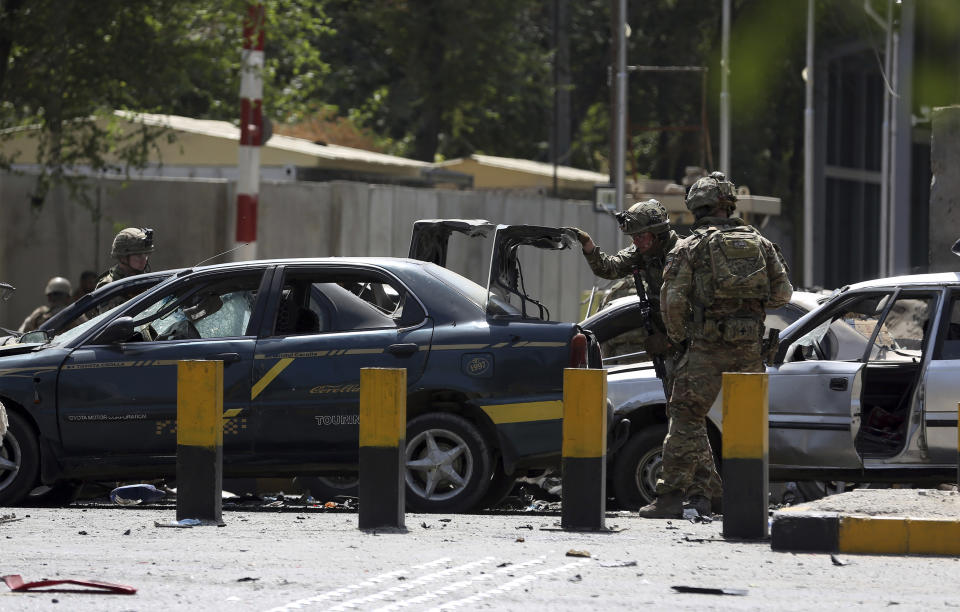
(717, 285)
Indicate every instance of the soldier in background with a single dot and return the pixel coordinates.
(648, 226)
(58, 296)
(131, 248)
(717, 285)
(88, 282)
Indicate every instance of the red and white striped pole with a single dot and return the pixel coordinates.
(251, 131)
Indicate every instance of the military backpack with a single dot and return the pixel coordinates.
(737, 264)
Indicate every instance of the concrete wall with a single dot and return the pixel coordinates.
(945, 189)
(194, 220)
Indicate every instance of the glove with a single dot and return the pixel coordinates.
(657, 344)
(582, 236)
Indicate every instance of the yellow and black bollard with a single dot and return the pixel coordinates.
(584, 460)
(200, 440)
(383, 433)
(746, 482)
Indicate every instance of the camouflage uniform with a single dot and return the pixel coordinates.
(621, 266)
(130, 241)
(724, 335)
(58, 291)
(38, 317)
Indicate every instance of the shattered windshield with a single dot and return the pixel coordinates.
(65, 337)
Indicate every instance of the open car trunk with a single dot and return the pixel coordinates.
(506, 293)
(431, 237)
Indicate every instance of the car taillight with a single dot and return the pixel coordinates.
(578, 351)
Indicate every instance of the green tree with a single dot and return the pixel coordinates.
(64, 64)
(442, 78)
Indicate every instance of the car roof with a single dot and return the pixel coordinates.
(939, 278)
(387, 262)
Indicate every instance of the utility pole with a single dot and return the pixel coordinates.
(251, 132)
(618, 145)
(808, 144)
(725, 91)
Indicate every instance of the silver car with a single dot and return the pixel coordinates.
(863, 389)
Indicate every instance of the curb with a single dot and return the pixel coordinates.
(801, 530)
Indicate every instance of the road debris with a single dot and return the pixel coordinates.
(17, 585)
(182, 523)
(132, 495)
(708, 590)
(247, 579)
(578, 553)
(520, 539)
(838, 561)
(618, 563)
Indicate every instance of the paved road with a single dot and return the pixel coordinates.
(313, 560)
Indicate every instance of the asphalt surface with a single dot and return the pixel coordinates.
(311, 558)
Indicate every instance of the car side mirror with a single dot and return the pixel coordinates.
(37, 336)
(117, 331)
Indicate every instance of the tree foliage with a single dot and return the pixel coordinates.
(71, 63)
(442, 78)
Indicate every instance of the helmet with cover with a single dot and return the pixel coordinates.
(709, 192)
(58, 284)
(647, 216)
(132, 241)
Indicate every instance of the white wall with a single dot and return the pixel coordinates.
(194, 219)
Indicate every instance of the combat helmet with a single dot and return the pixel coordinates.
(646, 216)
(58, 284)
(709, 192)
(132, 241)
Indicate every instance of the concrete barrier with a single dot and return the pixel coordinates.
(584, 460)
(383, 433)
(746, 481)
(200, 440)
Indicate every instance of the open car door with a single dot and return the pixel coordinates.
(816, 385)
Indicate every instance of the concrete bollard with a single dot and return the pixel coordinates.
(746, 481)
(200, 440)
(383, 434)
(584, 460)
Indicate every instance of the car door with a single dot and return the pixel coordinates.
(815, 390)
(941, 390)
(121, 397)
(324, 324)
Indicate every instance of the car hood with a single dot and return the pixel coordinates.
(431, 236)
(632, 386)
(506, 276)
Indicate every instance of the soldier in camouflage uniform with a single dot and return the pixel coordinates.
(58, 297)
(717, 285)
(131, 248)
(649, 227)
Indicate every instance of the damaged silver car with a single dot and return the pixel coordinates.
(863, 389)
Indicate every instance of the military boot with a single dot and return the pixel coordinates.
(668, 505)
(699, 503)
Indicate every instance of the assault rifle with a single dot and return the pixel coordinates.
(659, 365)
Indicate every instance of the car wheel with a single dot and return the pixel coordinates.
(329, 488)
(19, 461)
(501, 485)
(448, 464)
(637, 467)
